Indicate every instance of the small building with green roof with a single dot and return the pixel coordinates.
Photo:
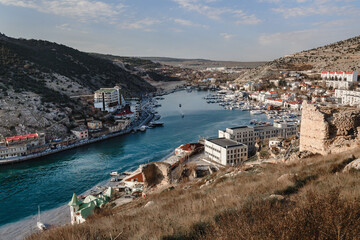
(79, 210)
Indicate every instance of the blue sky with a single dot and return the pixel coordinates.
(240, 30)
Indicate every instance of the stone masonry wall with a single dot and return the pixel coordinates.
(327, 130)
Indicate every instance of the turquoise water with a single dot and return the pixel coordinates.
(49, 182)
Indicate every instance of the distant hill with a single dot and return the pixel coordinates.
(39, 78)
(202, 63)
(37, 60)
(169, 59)
(342, 55)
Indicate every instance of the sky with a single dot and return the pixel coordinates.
(236, 30)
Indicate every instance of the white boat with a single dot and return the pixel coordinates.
(142, 128)
(255, 112)
(114, 173)
(39, 224)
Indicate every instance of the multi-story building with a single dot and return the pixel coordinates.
(30, 140)
(293, 105)
(13, 151)
(95, 125)
(348, 97)
(226, 151)
(249, 135)
(81, 133)
(339, 79)
(274, 102)
(108, 99)
(17, 146)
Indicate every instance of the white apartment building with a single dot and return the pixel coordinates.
(263, 95)
(274, 102)
(348, 97)
(226, 151)
(248, 135)
(293, 105)
(108, 99)
(339, 79)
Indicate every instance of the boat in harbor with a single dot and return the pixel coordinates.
(256, 112)
(39, 224)
(142, 128)
(115, 173)
(156, 124)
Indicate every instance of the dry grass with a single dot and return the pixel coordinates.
(321, 203)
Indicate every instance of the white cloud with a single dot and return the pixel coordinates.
(227, 35)
(64, 27)
(188, 23)
(270, 1)
(84, 10)
(247, 19)
(216, 13)
(143, 24)
(318, 7)
(291, 42)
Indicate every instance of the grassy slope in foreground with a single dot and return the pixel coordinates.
(320, 201)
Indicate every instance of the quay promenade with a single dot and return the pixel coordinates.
(149, 117)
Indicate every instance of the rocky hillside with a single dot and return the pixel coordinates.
(342, 55)
(38, 79)
(313, 198)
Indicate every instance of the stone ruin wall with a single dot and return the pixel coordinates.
(156, 173)
(327, 130)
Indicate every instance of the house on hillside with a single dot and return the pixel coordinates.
(80, 210)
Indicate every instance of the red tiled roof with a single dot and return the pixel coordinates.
(187, 147)
(22, 137)
(337, 72)
(293, 102)
(124, 112)
(138, 177)
(273, 99)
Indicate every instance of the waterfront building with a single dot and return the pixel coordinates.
(80, 133)
(95, 125)
(348, 97)
(80, 210)
(251, 86)
(293, 105)
(226, 151)
(108, 99)
(339, 79)
(29, 140)
(13, 151)
(249, 135)
(21, 145)
(274, 102)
